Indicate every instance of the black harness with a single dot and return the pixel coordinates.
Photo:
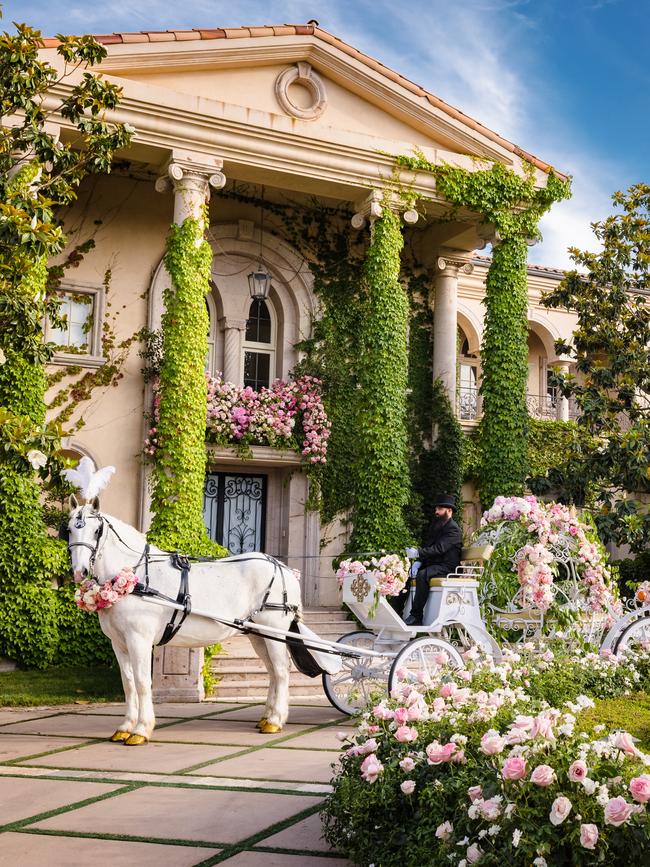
(183, 564)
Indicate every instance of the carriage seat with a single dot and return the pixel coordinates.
(471, 567)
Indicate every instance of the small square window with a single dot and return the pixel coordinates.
(78, 341)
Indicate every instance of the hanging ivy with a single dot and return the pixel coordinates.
(513, 205)
(382, 369)
(179, 471)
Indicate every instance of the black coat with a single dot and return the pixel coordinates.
(440, 553)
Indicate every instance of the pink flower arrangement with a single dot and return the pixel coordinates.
(271, 416)
(90, 595)
(552, 530)
(390, 571)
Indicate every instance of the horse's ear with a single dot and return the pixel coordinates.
(95, 503)
(74, 503)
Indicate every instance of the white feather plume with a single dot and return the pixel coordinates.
(88, 480)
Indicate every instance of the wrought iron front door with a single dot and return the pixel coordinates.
(234, 510)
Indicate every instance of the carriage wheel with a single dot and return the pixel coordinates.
(360, 680)
(638, 630)
(417, 662)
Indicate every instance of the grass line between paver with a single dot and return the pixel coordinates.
(249, 842)
(75, 805)
(125, 838)
(251, 749)
(10, 763)
(260, 790)
(283, 850)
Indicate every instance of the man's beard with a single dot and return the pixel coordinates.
(439, 521)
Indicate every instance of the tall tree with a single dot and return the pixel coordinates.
(610, 292)
(39, 173)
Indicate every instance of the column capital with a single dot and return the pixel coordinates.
(371, 206)
(227, 322)
(184, 168)
(450, 262)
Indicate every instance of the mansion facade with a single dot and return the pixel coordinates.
(288, 113)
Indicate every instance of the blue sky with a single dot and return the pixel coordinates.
(567, 80)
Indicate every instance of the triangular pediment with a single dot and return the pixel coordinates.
(251, 76)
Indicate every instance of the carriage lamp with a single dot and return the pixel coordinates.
(259, 283)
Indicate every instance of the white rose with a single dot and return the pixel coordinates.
(3, 357)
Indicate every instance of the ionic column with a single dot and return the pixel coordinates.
(445, 319)
(177, 670)
(233, 335)
(562, 401)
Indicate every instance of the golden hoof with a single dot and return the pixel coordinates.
(269, 728)
(119, 736)
(136, 740)
(260, 725)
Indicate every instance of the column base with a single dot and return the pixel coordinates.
(177, 674)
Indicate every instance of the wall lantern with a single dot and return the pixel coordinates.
(259, 283)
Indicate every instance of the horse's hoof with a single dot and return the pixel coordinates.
(136, 740)
(259, 725)
(119, 736)
(269, 728)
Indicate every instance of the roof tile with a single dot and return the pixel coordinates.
(130, 38)
(237, 32)
(218, 33)
(110, 38)
(284, 30)
(184, 35)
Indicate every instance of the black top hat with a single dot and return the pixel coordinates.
(446, 500)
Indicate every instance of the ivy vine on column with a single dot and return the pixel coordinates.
(513, 205)
(382, 370)
(179, 470)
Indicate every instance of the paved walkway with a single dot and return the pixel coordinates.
(209, 789)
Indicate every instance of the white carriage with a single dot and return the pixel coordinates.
(453, 621)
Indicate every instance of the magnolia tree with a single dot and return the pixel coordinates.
(611, 348)
(545, 557)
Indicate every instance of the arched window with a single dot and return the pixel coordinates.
(211, 357)
(259, 345)
(468, 380)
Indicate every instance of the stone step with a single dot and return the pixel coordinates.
(241, 673)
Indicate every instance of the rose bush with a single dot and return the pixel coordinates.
(495, 769)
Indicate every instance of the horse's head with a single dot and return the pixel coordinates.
(85, 536)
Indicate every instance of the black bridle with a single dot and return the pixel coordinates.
(79, 524)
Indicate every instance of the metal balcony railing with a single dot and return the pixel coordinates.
(541, 406)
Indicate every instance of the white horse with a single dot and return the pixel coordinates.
(233, 588)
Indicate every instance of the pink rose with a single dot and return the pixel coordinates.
(473, 854)
(588, 836)
(640, 788)
(543, 727)
(371, 767)
(560, 809)
(625, 743)
(475, 792)
(437, 753)
(492, 743)
(440, 658)
(618, 811)
(414, 713)
(407, 765)
(578, 771)
(490, 809)
(406, 734)
(408, 787)
(543, 775)
(401, 715)
(447, 689)
(444, 831)
(514, 768)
